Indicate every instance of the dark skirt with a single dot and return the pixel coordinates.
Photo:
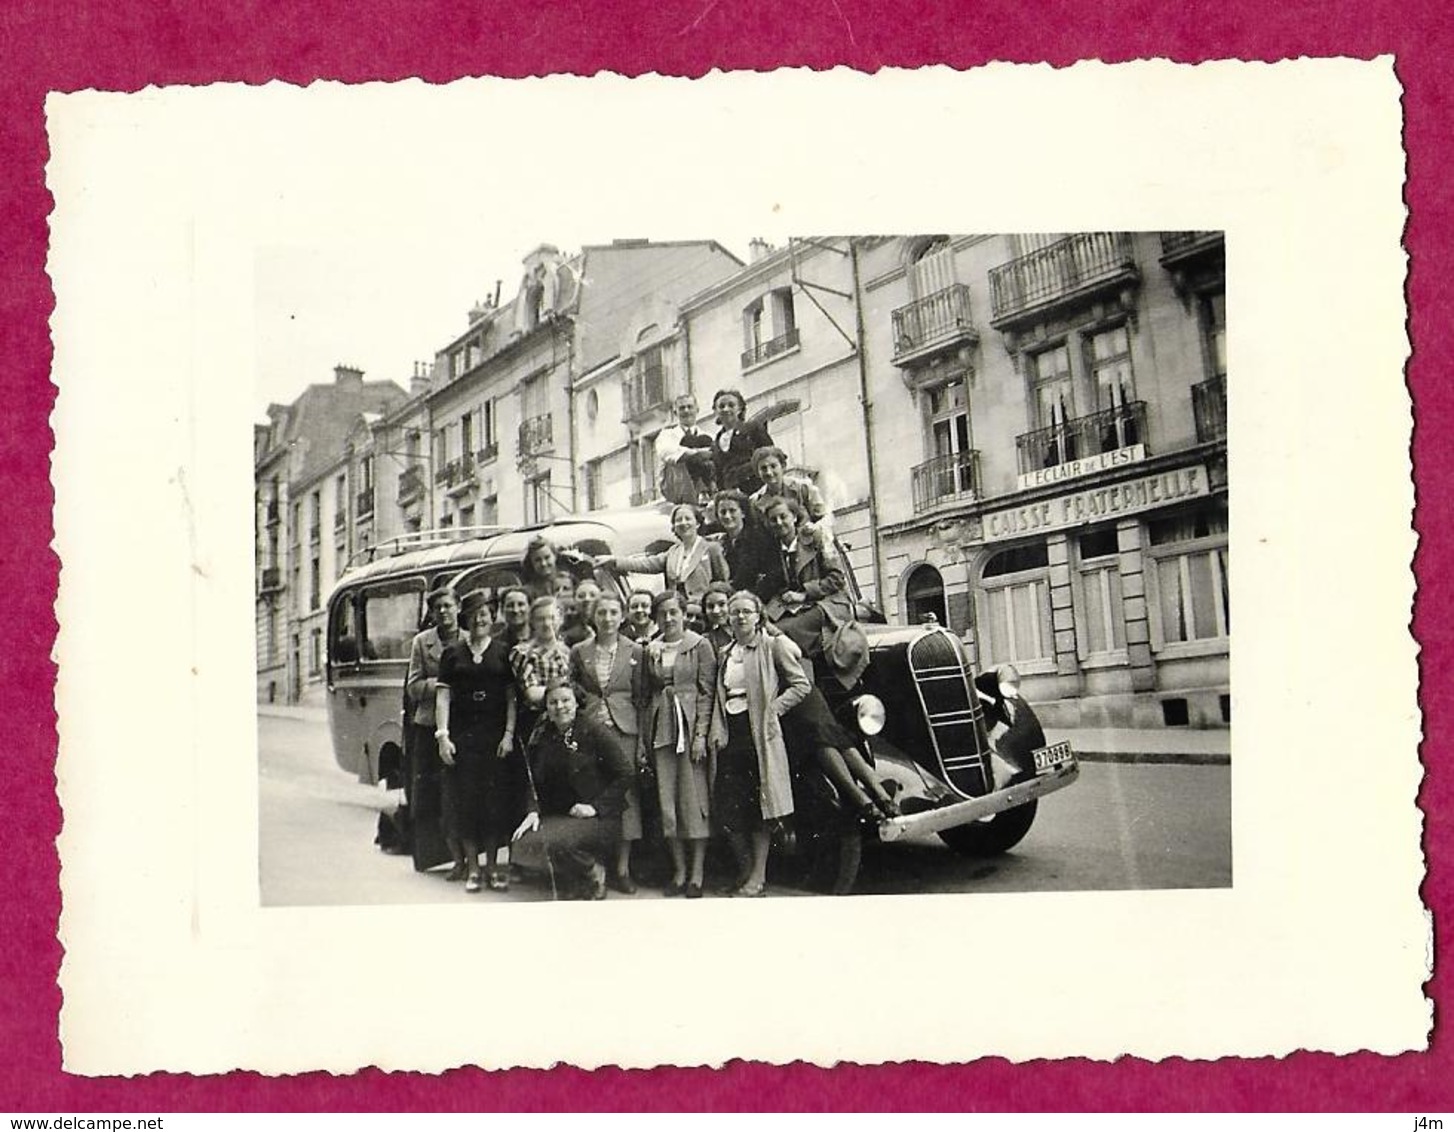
(481, 794)
(737, 788)
(811, 725)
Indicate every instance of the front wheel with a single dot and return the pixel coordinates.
(999, 834)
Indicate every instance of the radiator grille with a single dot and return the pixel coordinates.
(952, 711)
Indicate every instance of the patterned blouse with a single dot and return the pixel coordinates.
(537, 665)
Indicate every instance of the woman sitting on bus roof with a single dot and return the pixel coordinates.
(690, 566)
(606, 672)
(681, 677)
(540, 660)
(759, 680)
(771, 465)
(737, 439)
(545, 571)
(578, 777)
(475, 731)
(746, 544)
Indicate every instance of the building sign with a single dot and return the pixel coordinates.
(1074, 469)
(1096, 504)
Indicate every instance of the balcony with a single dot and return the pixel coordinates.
(643, 390)
(933, 324)
(1209, 407)
(1180, 248)
(536, 436)
(363, 505)
(944, 478)
(461, 474)
(765, 351)
(271, 581)
(1106, 431)
(486, 454)
(1069, 271)
(411, 483)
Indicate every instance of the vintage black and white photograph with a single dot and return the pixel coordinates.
(653, 572)
(847, 564)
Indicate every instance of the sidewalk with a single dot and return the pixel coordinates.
(1211, 747)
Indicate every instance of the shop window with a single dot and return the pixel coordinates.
(924, 597)
(1014, 600)
(1101, 624)
(1189, 552)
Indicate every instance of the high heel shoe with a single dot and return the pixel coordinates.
(472, 882)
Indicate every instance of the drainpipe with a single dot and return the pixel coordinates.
(570, 411)
(867, 402)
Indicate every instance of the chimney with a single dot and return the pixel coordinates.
(419, 382)
(348, 377)
(759, 249)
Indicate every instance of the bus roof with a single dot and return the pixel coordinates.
(627, 531)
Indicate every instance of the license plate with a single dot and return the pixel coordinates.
(1056, 755)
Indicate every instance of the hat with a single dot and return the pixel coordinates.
(471, 604)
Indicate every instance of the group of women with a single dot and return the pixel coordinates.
(560, 716)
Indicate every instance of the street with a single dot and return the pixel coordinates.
(1121, 826)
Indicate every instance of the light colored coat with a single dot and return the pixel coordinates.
(706, 566)
(423, 676)
(776, 684)
(621, 692)
(694, 680)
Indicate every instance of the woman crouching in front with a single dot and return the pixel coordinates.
(577, 789)
(759, 680)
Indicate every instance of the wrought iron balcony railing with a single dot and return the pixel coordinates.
(1081, 437)
(644, 390)
(955, 476)
(1182, 245)
(1074, 266)
(272, 579)
(769, 349)
(411, 483)
(1209, 407)
(487, 453)
(536, 435)
(940, 319)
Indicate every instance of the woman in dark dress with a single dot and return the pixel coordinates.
(737, 439)
(475, 718)
(752, 559)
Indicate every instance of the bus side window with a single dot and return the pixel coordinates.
(389, 618)
(491, 579)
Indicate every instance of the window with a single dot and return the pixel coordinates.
(924, 596)
(315, 583)
(643, 469)
(488, 441)
(1054, 402)
(441, 452)
(1214, 333)
(1015, 607)
(315, 652)
(1191, 566)
(1110, 363)
(1102, 626)
(534, 398)
(933, 268)
(467, 516)
(340, 502)
(388, 619)
(489, 511)
(343, 632)
(467, 434)
(593, 485)
(537, 499)
(769, 327)
(948, 407)
(315, 515)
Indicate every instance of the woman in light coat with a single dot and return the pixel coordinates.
(759, 679)
(690, 566)
(681, 677)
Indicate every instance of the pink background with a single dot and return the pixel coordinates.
(126, 44)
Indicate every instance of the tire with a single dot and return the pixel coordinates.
(990, 838)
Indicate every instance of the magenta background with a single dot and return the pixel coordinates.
(125, 44)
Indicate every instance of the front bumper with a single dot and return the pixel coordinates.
(975, 809)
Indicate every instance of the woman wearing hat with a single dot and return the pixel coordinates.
(482, 779)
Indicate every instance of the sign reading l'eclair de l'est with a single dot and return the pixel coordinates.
(1096, 504)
